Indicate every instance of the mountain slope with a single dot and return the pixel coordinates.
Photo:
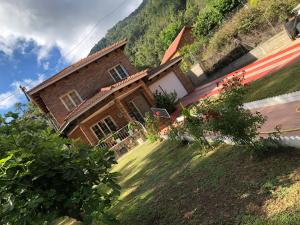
(143, 29)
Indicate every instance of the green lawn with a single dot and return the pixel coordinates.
(167, 184)
(283, 81)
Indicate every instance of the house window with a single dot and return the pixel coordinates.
(118, 73)
(71, 100)
(104, 127)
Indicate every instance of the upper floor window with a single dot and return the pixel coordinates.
(118, 73)
(71, 100)
(104, 127)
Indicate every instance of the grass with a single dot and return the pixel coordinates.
(164, 184)
(281, 82)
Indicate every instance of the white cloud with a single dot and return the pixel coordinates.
(45, 65)
(61, 23)
(10, 98)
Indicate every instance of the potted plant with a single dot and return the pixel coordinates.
(131, 127)
(116, 138)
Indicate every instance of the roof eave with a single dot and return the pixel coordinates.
(37, 89)
(165, 68)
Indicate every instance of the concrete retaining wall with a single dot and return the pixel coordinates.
(292, 141)
(280, 99)
(196, 74)
(274, 44)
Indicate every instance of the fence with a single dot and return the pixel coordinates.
(125, 138)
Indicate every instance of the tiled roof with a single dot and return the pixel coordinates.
(101, 95)
(127, 80)
(174, 46)
(88, 102)
(70, 69)
(163, 67)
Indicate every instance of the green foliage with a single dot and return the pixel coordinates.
(231, 118)
(207, 20)
(176, 133)
(253, 3)
(212, 15)
(226, 117)
(152, 125)
(248, 27)
(44, 176)
(168, 34)
(142, 29)
(196, 125)
(154, 25)
(226, 6)
(166, 101)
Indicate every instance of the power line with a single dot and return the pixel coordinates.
(11, 95)
(93, 29)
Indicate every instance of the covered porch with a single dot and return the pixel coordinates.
(106, 123)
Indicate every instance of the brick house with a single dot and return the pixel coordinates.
(103, 92)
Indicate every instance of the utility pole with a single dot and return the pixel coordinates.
(23, 89)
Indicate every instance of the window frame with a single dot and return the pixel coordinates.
(117, 72)
(70, 98)
(103, 121)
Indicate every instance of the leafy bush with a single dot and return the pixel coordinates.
(207, 20)
(44, 176)
(225, 116)
(249, 26)
(168, 34)
(152, 125)
(229, 117)
(212, 15)
(196, 125)
(226, 6)
(166, 100)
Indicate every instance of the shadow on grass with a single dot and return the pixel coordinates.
(176, 185)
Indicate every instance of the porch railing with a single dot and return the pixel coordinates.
(116, 137)
(117, 141)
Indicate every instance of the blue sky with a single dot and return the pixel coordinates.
(50, 36)
(22, 67)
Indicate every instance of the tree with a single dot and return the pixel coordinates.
(44, 176)
(168, 34)
(227, 117)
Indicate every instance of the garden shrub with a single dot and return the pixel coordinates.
(207, 20)
(44, 176)
(196, 125)
(230, 119)
(152, 125)
(225, 116)
(226, 6)
(176, 134)
(250, 26)
(168, 34)
(212, 16)
(166, 101)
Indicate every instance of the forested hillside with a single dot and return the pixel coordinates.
(220, 28)
(147, 29)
